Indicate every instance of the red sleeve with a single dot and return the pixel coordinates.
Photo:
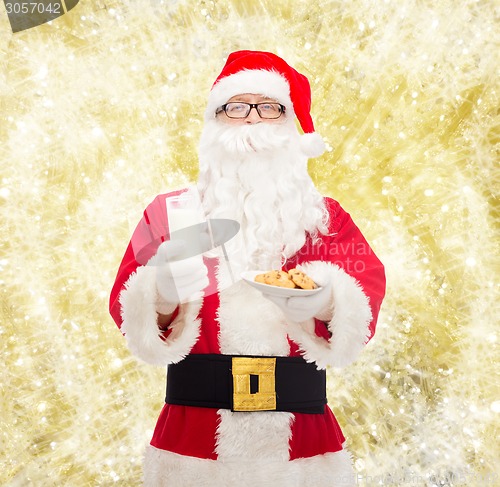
(150, 232)
(346, 247)
(349, 249)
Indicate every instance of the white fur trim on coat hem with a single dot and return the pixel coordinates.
(139, 313)
(166, 469)
(350, 323)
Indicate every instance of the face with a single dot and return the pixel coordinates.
(253, 117)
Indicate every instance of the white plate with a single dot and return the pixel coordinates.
(286, 292)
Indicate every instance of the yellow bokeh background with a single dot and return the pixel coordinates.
(101, 109)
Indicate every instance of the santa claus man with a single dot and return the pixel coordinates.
(246, 383)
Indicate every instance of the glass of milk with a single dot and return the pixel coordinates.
(184, 210)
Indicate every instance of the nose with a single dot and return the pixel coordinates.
(253, 116)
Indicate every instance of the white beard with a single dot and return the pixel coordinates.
(257, 175)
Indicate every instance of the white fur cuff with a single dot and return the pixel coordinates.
(139, 301)
(349, 326)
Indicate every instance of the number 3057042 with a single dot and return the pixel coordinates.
(32, 8)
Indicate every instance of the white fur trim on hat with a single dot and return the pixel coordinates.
(255, 81)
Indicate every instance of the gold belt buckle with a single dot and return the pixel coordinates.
(265, 397)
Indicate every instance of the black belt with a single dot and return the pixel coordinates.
(247, 383)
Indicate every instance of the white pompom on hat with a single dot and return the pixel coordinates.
(266, 74)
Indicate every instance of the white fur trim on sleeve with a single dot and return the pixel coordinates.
(139, 304)
(350, 323)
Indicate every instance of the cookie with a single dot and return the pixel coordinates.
(261, 278)
(301, 280)
(275, 278)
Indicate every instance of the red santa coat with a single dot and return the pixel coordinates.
(203, 446)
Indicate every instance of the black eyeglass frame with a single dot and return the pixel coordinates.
(250, 106)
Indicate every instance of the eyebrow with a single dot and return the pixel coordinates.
(261, 98)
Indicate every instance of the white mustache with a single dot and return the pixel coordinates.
(253, 138)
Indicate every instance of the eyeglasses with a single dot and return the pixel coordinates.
(242, 110)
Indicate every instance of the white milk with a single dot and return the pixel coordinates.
(183, 217)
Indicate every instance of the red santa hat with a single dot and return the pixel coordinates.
(264, 73)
